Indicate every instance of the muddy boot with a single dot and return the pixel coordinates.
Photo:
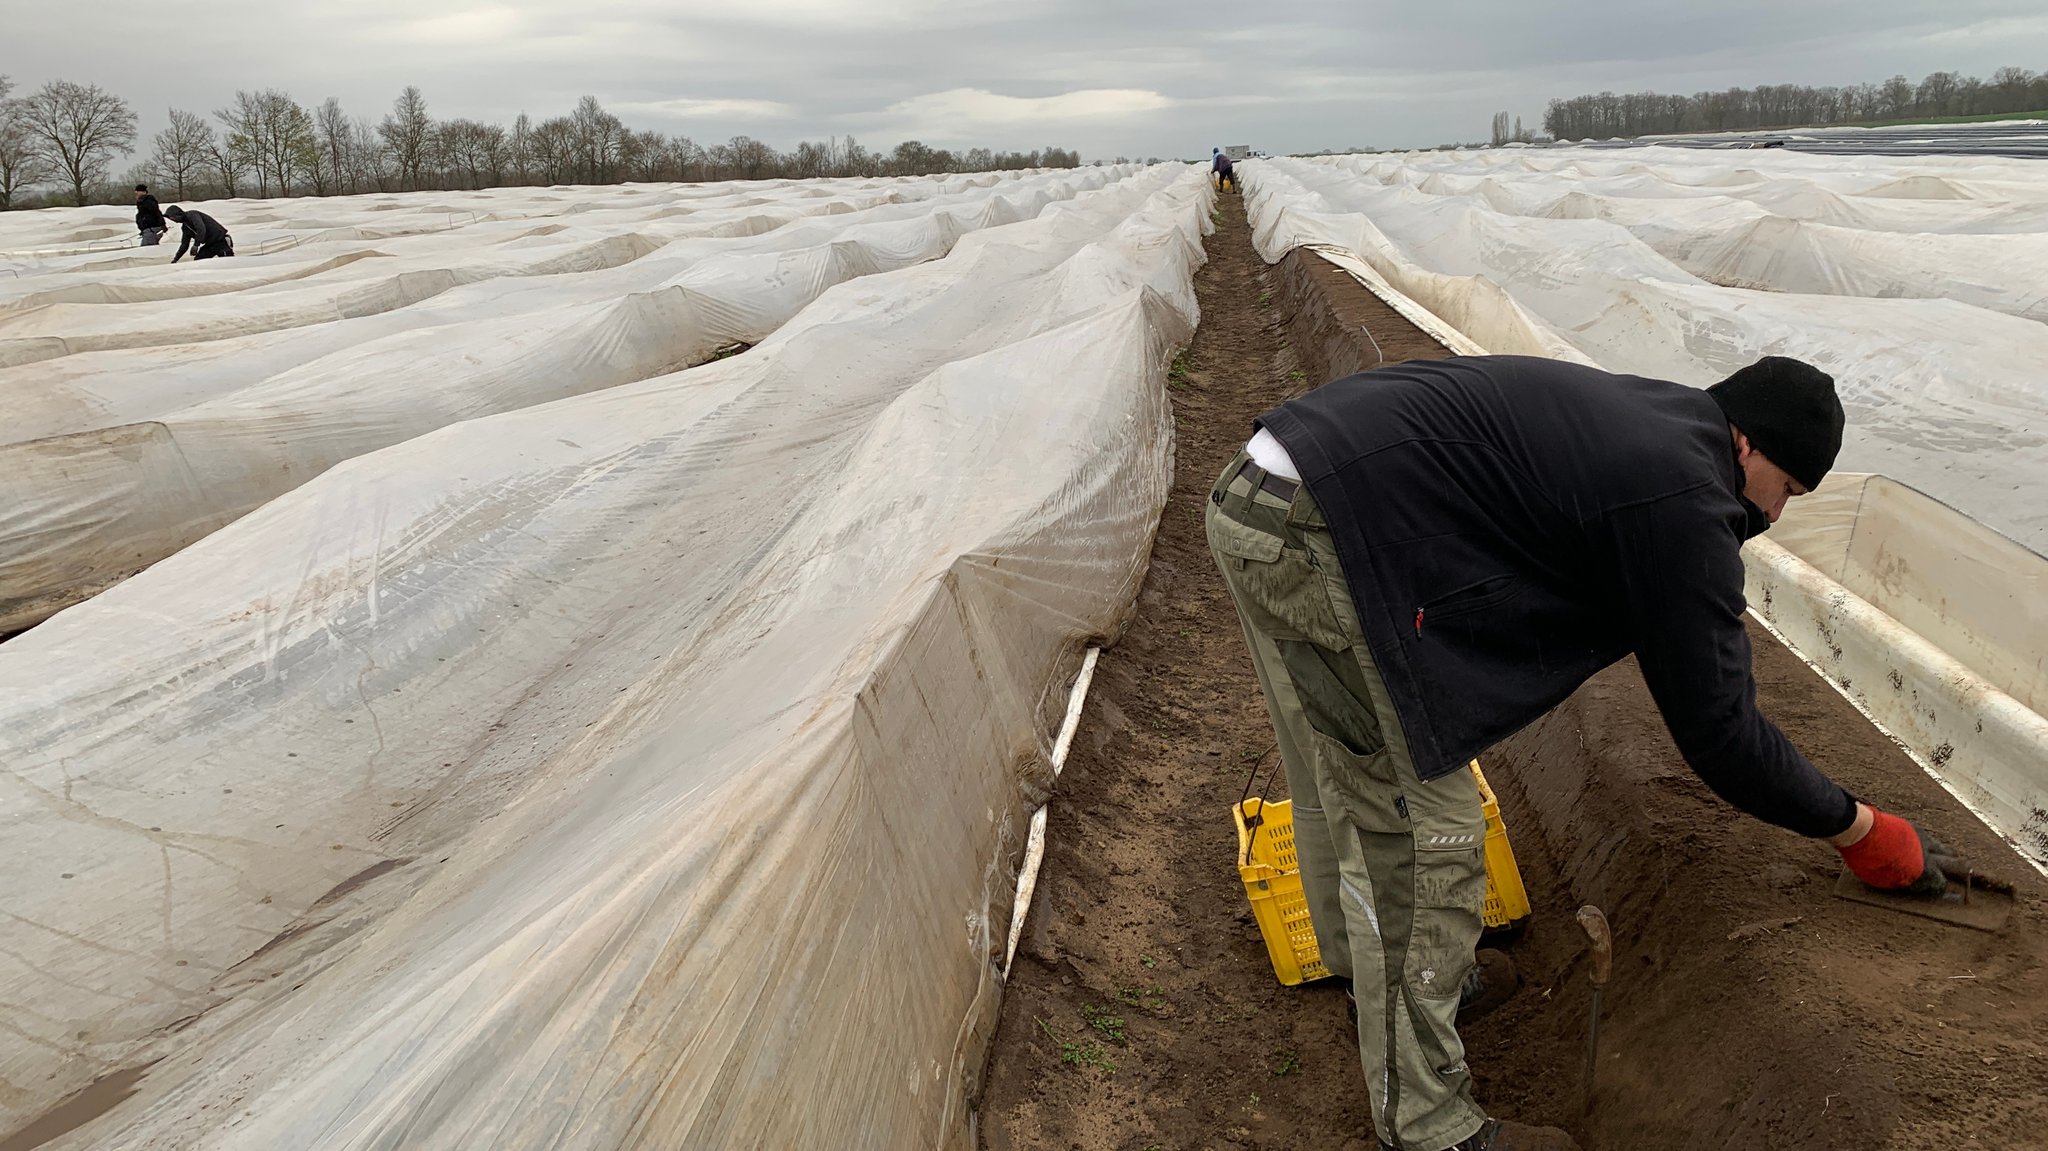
(1503, 1135)
(1492, 981)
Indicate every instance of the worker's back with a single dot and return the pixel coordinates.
(204, 228)
(1497, 516)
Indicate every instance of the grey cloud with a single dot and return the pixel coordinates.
(1323, 73)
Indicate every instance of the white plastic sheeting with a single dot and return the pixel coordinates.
(1927, 620)
(1920, 283)
(643, 769)
(1933, 625)
(100, 238)
(222, 399)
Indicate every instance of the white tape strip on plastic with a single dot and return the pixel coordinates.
(1034, 848)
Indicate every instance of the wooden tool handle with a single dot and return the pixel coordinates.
(1595, 925)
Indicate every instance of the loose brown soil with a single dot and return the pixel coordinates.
(1749, 1009)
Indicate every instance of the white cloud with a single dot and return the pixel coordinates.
(975, 113)
(706, 109)
(1107, 77)
(471, 28)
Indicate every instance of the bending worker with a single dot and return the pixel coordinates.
(1429, 556)
(1220, 168)
(202, 234)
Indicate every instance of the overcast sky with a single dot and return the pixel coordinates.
(1108, 77)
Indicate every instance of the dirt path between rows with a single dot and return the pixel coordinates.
(1749, 1009)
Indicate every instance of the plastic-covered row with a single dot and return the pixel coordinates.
(1921, 284)
(639, 770)
(136, 426)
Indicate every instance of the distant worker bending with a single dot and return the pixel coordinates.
(1429, 556)
(1219, 167)
(203, 234)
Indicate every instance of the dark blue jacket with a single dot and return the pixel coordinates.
(1510, 525)
(199, 231)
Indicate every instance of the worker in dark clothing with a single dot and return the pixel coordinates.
(1220, 169)
(149, 219)
(1427, 557)
(203, 234)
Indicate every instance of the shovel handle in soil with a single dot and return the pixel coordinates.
(1602, 941)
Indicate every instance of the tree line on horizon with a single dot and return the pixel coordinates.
(267, 144)
(1610, 115)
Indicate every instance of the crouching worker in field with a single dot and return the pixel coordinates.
(203, 234)
(1429, 556)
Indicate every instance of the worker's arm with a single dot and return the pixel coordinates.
(185, 237)
(1680, 568)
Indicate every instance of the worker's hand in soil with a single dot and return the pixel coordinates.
(1894, 855)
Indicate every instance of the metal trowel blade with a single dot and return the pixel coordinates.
(1985, 910)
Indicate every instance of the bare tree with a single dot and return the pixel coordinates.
(267, 137)
(1896, 97)
(77, 129)
(21, 163)
(644, 156)
(911, 158)
(519, 149)
(490, 152)
(228, 155)
(437, 161)
(809, 160)
(285, 146)
(2012, 86)
(473, 151)
(331, 133)
(685, 159)
(368, 158)
(407, 131)
(1937, 93)
(240, 146)
(2010, 90)
(1970, 96)
(554, 150)
(182, 150)
(851, 159)
(600, 138)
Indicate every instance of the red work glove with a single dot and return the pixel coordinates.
(1897, 856)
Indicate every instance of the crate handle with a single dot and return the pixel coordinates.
(1253, 822)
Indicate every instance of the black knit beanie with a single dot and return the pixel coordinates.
(1790, 413)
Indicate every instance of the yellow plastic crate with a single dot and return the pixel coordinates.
(1507, 901)
(1272, 879)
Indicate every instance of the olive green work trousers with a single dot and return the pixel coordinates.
(1393, 868)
